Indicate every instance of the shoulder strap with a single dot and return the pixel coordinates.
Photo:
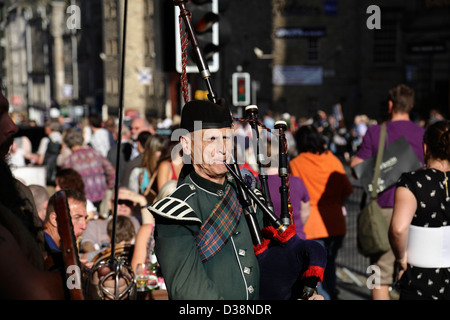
(378, 161)
(149, 189)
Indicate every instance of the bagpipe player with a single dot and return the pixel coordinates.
(203, 242)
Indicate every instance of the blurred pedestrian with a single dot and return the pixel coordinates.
(136, 161)
(419, 230)
(139, 125)
(169, 164)
(328, 186)
(126, 145)
(100, 138)
(97, 172)
(400, 104)
(143, 177)
(49, 150)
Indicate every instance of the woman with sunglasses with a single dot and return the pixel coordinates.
(95, 236)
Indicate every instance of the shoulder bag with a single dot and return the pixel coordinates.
(372, 229)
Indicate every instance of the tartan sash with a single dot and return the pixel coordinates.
(218, 227)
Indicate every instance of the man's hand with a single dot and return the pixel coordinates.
(109, 284)
(316, 296)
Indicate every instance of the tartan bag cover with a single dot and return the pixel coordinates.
(218, 227)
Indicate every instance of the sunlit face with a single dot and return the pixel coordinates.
(137, 126)
(124, 205)
(78, 214)
(7, 127)
(209, 149)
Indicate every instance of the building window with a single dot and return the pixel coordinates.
(112, 85)
(113, 9)
(148, 8)
(106, 12)
(385, 43)
(313, 49)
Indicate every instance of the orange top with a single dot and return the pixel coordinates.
(328, 186)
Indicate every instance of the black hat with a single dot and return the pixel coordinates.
(211, 115)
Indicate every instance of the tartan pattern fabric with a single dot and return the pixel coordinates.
(218, 227)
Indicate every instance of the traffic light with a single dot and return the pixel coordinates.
(241, 88)
(205, 22)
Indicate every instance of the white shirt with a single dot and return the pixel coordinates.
(100, 141)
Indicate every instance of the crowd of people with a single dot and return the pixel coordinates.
(82, 161)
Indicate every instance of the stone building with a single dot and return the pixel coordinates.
(51, 56)
(144, 84)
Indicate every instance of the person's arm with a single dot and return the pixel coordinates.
(405, 206)
(182, 268)
(40, 154)
(19, 279)
(140, 245)
(164, 174)
(305, 210)
(366, 149)
(355, 161)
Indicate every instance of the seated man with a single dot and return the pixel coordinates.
(77, 207)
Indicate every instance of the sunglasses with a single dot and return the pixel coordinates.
(128, 203)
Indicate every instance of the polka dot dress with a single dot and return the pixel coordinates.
(431, 189)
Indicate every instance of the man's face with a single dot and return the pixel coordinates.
(137, 126)
(7, 127)
(78, 214)
(209, 149)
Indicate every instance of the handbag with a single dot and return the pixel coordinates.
(372, 230)
(398, 157)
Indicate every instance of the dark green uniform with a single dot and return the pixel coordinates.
(231, 274)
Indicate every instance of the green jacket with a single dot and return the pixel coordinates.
(232, 274)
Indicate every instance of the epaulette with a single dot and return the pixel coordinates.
(175, 206)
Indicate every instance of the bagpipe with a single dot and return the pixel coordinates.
(290, 267)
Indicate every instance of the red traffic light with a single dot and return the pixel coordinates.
(205, 23)
(241, 88)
